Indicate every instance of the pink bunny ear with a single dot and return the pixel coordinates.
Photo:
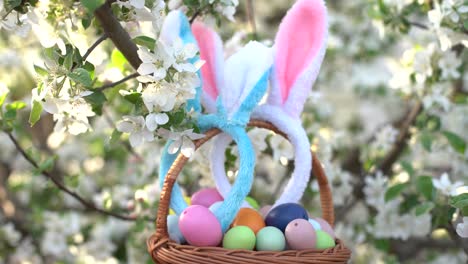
(300, 48)
(211, 51)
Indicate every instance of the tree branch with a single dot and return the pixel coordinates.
(251, 17)
(62, 187)
(386, 164)
(117, 34)
(110, 85)
(95, 44)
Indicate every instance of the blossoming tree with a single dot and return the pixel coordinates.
(90, 91)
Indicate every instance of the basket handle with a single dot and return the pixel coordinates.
(326, 201)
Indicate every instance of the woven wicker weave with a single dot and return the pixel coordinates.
(163, 250)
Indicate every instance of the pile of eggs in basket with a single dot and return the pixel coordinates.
(287, 226)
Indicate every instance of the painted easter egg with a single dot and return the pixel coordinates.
(264, 210)
(324, 240)
(239, 237)
(300, 234)
(270, 238)
(251, 201)
(173, 229)
(215, 206)
(249, 217)
(325, 226)
(200, 227)
(206, 197)
(281, 215)
(315, 224)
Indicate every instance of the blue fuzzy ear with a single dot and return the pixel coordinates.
(176, 25)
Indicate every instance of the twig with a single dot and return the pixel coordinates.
(195, 15)
(95, 44)
(400, 144)
(251, 17)
(117, 34)
(110, 85)
(418, 25)
(62, 187)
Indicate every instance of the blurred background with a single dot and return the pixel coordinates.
(387, 117)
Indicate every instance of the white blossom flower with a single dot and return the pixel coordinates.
(462, 228)
(449, 63)
(182, 53)
(385, 138)
(139, 4)
(375, 189)
(3, 89)
(281, 148)
(181, 141)
(154, 63)
(446, 186)
(153, 120)
(158, 96)
(439, 95)
(72, 115)
(136, 127)
(10, 234)
(422, 63)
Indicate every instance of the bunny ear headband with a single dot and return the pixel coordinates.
(234, 88)
(299, 50)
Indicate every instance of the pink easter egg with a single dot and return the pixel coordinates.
(264, 210)
(325, 226)
(200, 227)
(206, 197)
(300, 234)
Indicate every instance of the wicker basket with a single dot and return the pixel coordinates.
(163, 250)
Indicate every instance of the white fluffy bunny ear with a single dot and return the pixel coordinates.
(211, 51)
(246, 77)
(300, 46)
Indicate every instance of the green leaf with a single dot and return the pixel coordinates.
(35, 114)
(82, 76)
(10, 115)
(423, 208)
(17, 105)
(3, 97)
(118, 60)
(115, 137)
(90, 68)
(177, 117)
(68, 61)
(145, 41)
(41, 71)
(394, 191)
(426, 141)
(133, 98)
(425, 187)
(48, 164)
(97, 100)
(457, 143)
(459, 201)
(92, 5)
(407, 167)
(11, 4)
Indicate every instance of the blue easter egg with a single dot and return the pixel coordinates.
(315, 224)
(215, 206)
(281, 215)
(173, 229)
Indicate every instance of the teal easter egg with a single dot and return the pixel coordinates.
(324, 240)
(270, 238)
(173, 229)
(315, 224)
(239, 237)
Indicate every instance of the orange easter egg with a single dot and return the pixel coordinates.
(250, 218)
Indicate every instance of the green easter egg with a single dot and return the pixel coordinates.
(270, 238)
(252, 202)
(239, 237)
(324, 240)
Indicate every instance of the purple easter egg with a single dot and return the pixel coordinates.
(206, 197)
